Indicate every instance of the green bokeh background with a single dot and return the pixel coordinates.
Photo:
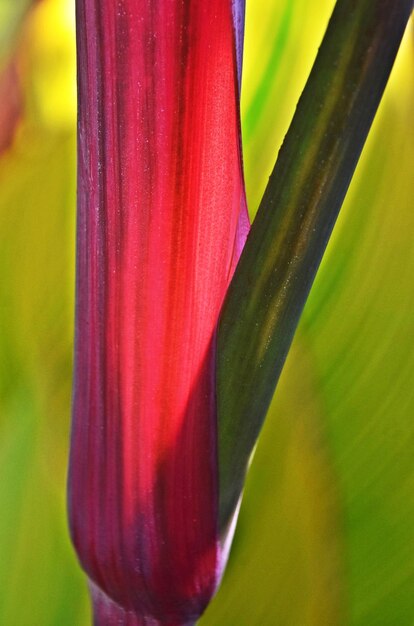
(326, 532)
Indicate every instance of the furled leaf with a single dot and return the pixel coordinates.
(161, 222)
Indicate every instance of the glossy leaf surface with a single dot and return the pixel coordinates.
(161, 222)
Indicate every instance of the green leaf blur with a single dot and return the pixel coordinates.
(326, 532)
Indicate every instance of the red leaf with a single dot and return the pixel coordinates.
(161, 223)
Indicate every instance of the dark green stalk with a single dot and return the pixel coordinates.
(295, 219)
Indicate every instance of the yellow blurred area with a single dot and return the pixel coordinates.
(48, 62)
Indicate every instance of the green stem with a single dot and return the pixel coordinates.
(295, 219)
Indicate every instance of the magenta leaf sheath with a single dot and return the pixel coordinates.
(161, 223)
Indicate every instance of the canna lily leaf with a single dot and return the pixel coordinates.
(294, 222)
(348, 372)
(161, 223)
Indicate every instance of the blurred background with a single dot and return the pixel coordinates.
(326, 532)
